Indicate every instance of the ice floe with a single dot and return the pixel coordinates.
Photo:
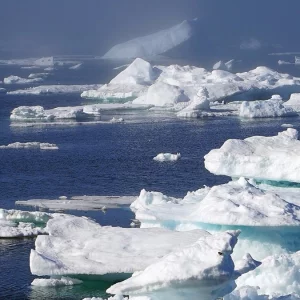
(54, 89)
(19, 80)
(16, 223)
(77, 245)
(153, 44)
(80, 202)
(270, 158)
(63, 281)
(167, 157)
(30, 145)
(38, 75)
(204, 268)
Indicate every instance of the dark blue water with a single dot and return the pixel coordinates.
(102, 159)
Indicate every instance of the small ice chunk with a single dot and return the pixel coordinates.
(63, 281)
(167, 157)
(19, 80)
(30, 145)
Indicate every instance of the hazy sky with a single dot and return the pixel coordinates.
(45, 27)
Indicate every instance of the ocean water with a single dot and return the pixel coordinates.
(101, 159)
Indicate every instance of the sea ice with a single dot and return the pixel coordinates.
(19, 80)
(54, 89)
(153, 44)
(167, 157)
(204, 269)
(30, 145)
(268, 158)
(63, 281)
(265, 109)
(78, 245)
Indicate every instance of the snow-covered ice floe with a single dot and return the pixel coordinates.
(167, 157)
(269, 158)
(204, 269)
(63, 281)
(153, 44)
(80, 202)
(38, 113)
(19, 80)
(54, 89)
(17, 223)
(30, 145)
(78, 245)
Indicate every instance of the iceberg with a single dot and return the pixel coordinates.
(78, 246)
(30, 145)
(167, 157)
(19, 80)
(54, 89)
(153, 44)
(294, 102)
(265, 109)
(204, 269)
(266, 158)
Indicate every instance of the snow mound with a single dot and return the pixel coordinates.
(167, 157)
(277, 275)
(78, 245)
(54, 89)
(19, 80)
(204, 268)
(153, 44)
(265, 109)
(63, 281)
(269, 158)
(30, 145)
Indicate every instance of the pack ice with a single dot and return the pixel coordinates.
(153, 44)
(268, 158)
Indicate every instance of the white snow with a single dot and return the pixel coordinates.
(63, 281)
(167, 157)
(30, 145)
(54, 89)
(19, 80)
(77, 245)
(270, 158)
(153, 44)
(265, 109)
(204, 268)
(277, 275)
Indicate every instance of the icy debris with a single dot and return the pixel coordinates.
(19, 80)
(38, 75)
(16, 223)
(78, 245)
(117, 120)
(270, 158)
(204, 268)
(153, 44)
(30, 145)
(76, 67)
(120, 297)
(63, 281)
(265, 109)
(54, 89)
(277, 275)
(167, 157)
